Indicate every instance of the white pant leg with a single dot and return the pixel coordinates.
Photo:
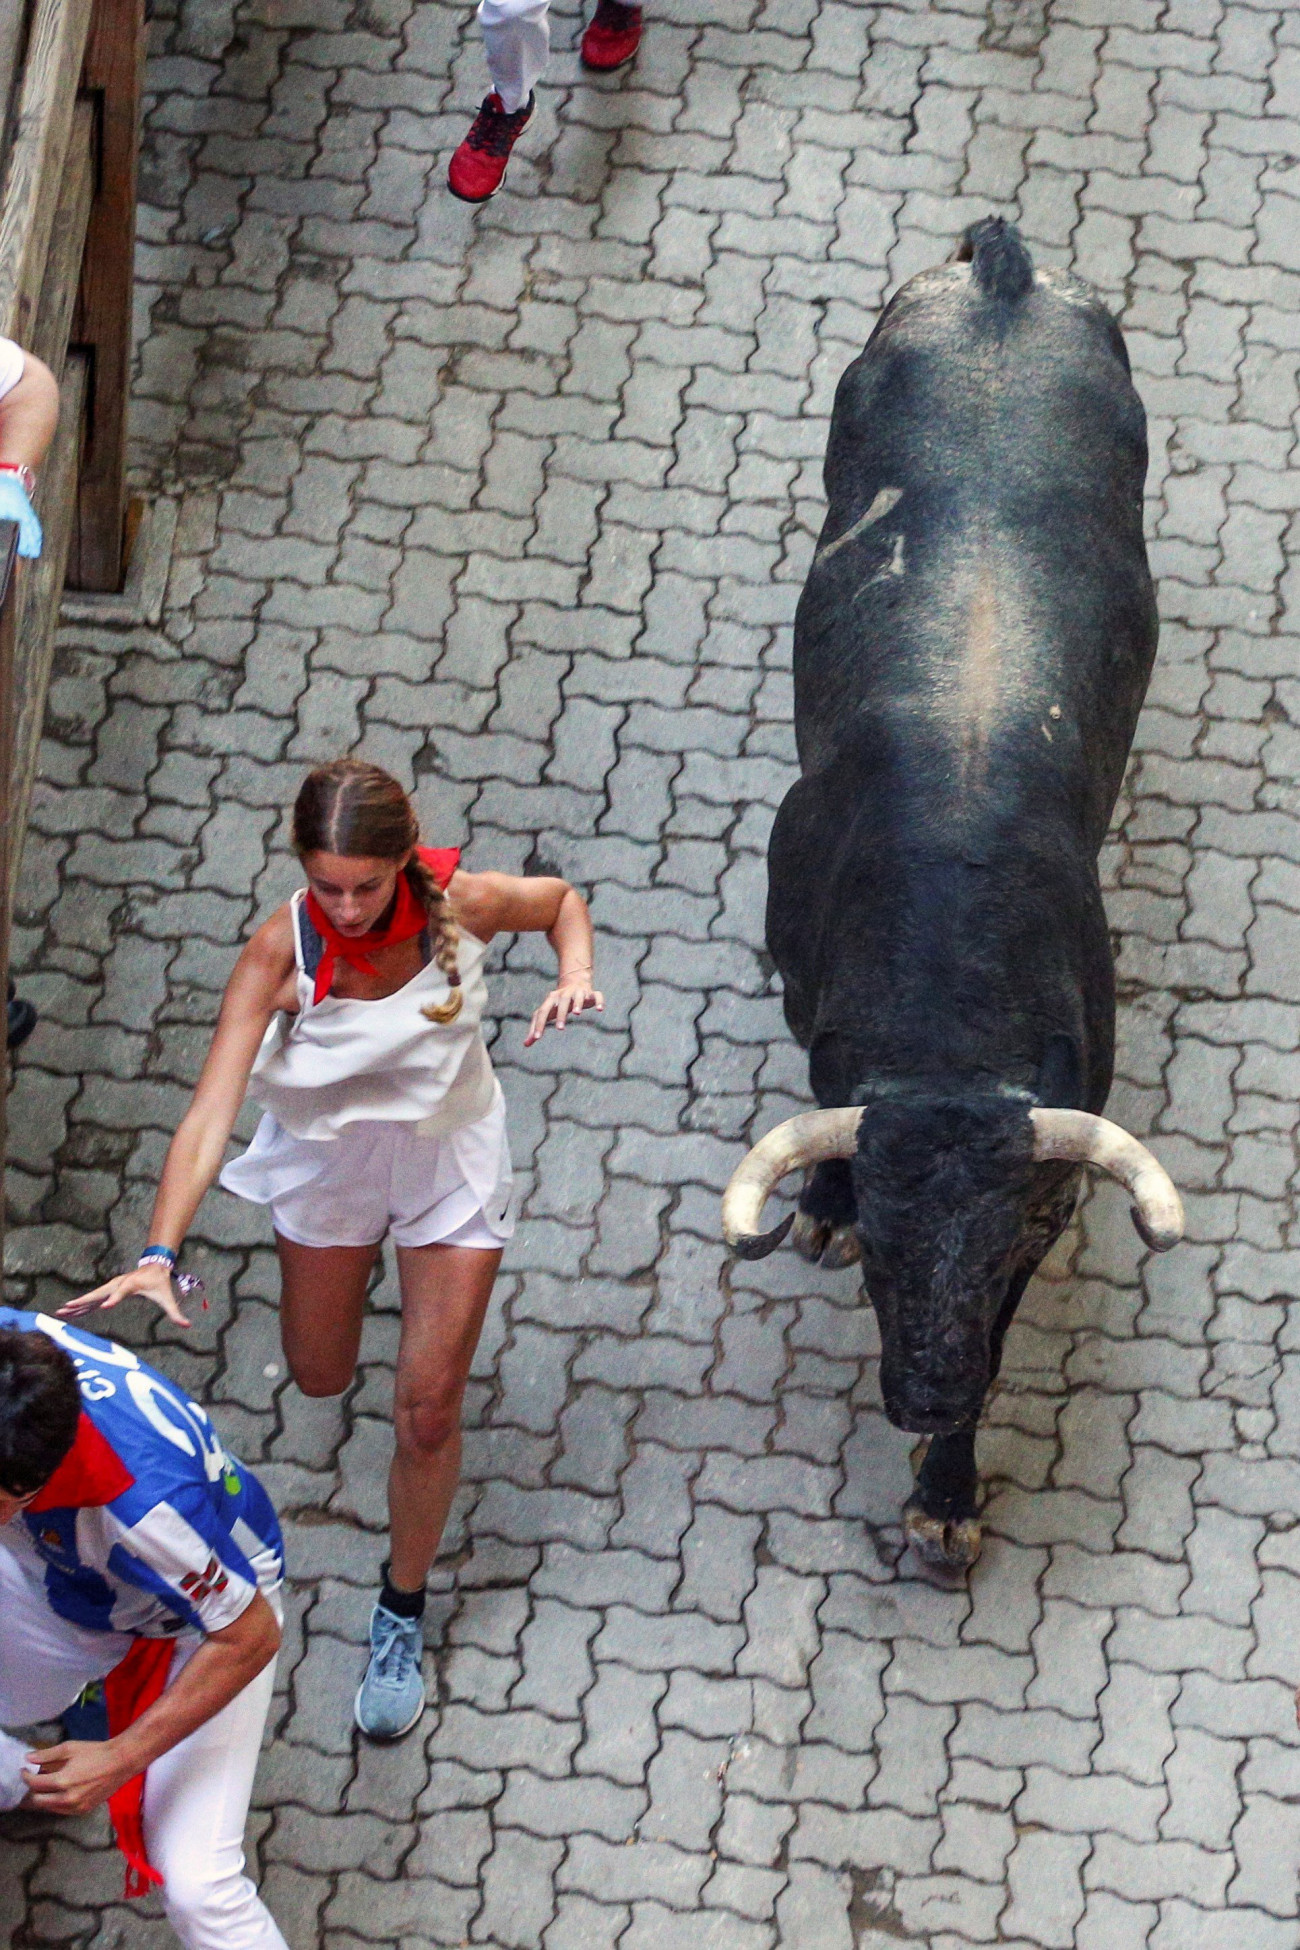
(44, 1661)
(195, 1810)
(517, 40)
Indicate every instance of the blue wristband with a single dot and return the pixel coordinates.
(157, 1256)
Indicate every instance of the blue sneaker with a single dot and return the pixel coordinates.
(390, 1699)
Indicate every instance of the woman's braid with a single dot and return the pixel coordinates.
(445, 935)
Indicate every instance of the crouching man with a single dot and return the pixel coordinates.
(135, 1551)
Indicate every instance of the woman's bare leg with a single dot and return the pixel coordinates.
(445, 1292)
(322, 1305)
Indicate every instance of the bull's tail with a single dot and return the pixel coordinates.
(1001, 265)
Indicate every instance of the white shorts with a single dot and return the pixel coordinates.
(376, 1178)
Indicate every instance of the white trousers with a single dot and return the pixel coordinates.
(517, 40)
(195, 1797)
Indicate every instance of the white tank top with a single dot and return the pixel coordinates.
(340, 1061)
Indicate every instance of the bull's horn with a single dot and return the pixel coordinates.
(1088, 1140)
(802, 1140)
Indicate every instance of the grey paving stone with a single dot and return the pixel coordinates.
(655, 1927)
(780, 1616)
(518, 1899)
(589, 1805)
(604, 1577)
(656, 1501)
(520, 504)
(911, 1742)
(581, 1924)
(522, 1739)
(1047, 1899)
(718, 1561)
(557, 1668)
(671, 1640)
(685, 1781)
(644, 1870)
(621, 1733)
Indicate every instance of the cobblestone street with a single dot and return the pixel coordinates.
(518, 502)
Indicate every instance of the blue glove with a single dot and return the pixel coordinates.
(15, 506)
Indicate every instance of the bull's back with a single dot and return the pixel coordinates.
(980, 602)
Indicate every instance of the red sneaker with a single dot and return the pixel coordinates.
(478, 168)
(613, 36)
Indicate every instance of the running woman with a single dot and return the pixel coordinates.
(135, 1551)
(354, 1016)
(517, 40)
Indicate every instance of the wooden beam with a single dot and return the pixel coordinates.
(13, 32)
(54, 310)
(114, 75)
(33, 180)
(38, 610)
(41, 583)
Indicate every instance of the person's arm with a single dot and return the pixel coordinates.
(29, 413)
(77, 1775)
(195, 1153)
(504, 903)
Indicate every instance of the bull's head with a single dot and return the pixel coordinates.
(951, 1207)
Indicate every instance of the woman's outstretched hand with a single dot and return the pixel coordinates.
(568, 999)
(153, 1281)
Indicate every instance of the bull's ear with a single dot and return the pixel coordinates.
(1060, 1074)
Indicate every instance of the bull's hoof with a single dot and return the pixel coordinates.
(809, 1236)
(818, 1240)
(949, 1543)
(843, 1248)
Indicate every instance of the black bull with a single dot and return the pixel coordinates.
(971, 652)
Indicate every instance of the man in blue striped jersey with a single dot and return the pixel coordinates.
(135, 1551)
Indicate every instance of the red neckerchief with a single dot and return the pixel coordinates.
(91, 1473)
(408, 920)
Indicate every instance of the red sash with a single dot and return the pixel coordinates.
(408, 920)
(130, 1690)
